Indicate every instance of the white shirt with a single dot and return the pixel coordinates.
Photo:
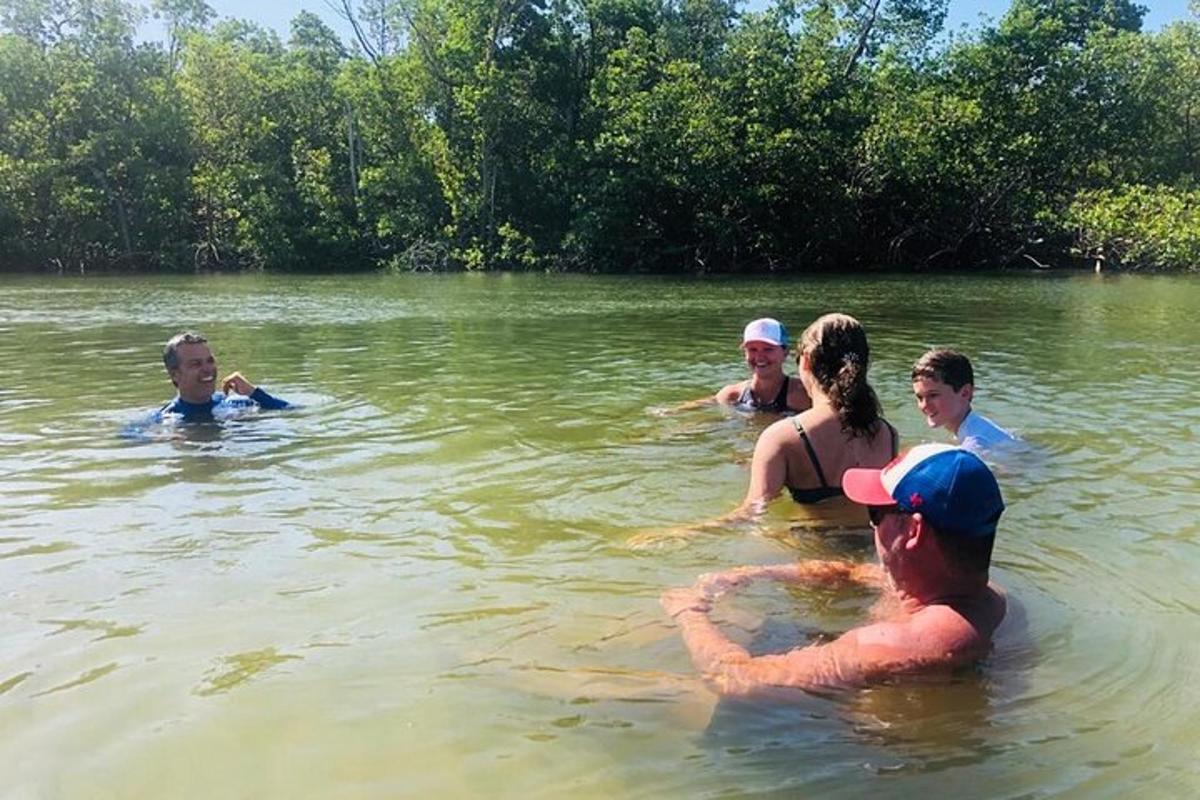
(979, 434)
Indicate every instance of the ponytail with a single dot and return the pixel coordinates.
(838, 354)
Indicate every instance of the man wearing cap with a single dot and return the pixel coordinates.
(934, 512)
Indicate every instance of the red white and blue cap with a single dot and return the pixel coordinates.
(766, 330)
(949, 486)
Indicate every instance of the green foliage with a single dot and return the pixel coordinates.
(1139, 227)
(644, 135)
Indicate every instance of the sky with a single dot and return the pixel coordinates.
(278, 14)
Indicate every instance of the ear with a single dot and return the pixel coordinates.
(171, 373)
(917, 533)
(967, 392)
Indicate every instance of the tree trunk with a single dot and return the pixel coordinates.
(122, 214)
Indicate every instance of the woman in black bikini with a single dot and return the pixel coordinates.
(765, 343)
(768, 389)
(808, 453)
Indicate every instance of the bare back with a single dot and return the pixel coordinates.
(835, 449)
(782, 459)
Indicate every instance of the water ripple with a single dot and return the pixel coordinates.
(436, 535)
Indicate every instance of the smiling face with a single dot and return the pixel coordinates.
(764, 358)
(941, 404)
(196, 375)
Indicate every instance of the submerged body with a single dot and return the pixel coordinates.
(219, 406)
(934, 513)
(192, 368)
(907, 634)
(750, 398)
(980, 435)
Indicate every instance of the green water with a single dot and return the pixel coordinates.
(418, 583)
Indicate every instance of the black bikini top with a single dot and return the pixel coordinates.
(746, 401)
(823, 492)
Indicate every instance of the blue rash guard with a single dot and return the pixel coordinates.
(220, 406)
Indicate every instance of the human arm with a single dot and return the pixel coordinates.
(816, 571)
(933, 637)
(858, 656)
(687, 406)
(238, 383)
(268, 401)
(750, 509)
(726, 395)
(768, 467)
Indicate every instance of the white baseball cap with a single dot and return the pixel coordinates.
(766, 330)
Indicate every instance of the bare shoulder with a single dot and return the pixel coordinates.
(728, 395)
(962, 631)
(885, 437)
(778, 433)
(797, 396)
(935, 637)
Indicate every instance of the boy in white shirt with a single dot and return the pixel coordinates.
(944, 383)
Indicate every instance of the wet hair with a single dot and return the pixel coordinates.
(968, 553)
(170, 351)
(948, 366)
(837, 350)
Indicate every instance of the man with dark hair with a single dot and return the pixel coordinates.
(193, 369)
(944, 385)
(934, 512)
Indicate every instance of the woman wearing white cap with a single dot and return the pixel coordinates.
(807, 453)
(765, 343)
(768, 389)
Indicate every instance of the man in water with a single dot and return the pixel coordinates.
(944, 384)
(193, 369)
(934, 512)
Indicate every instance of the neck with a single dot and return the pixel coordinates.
(944, 588)
(768, 384)
(954, 426)
(819, 398)
(197, 401)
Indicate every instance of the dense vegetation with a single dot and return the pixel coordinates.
(665, 135)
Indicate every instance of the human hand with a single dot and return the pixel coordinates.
(239, 384)
(684, 598)
(662, 538)
(714, 584)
